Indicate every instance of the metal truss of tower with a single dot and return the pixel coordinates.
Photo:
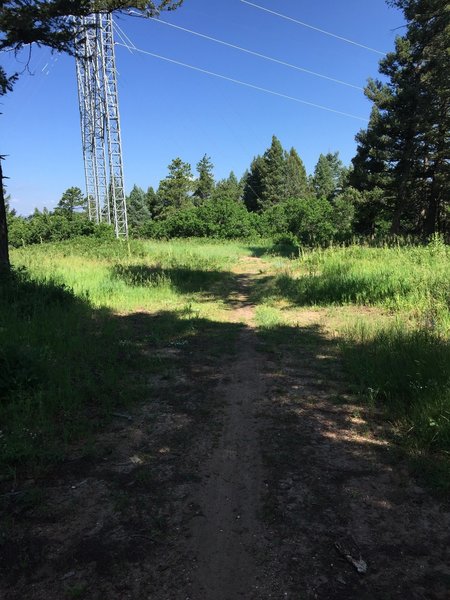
(100, 122)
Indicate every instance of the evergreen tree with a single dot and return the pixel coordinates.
(328, 175)
(273, 177)
(230, 188)
(296, 179)
(153, 202)
(71, 200)
(174, 191)
(137, 208)
(253, 186)
(408, 131)
(370, 163)
(205, 182)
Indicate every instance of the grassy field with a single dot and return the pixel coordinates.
(68, 355)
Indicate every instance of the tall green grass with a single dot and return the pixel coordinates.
(407, 279)
(62, 365)
(134, 276)
(405, 371)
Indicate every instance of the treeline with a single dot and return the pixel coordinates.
(68, 220)
(274, 197)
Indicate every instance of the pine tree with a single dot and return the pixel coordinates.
(205, 182)
(153, 202)
(323, 178)
(253, 186)
(71, 200)
(273, 178)
(328, 175)
(410, 134)
(296, 178)
(175, 189)
(230, 188)
(137, 208)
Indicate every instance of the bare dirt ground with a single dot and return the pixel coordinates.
(249, 474)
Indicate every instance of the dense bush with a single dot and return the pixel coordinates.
(52, 227)
(47, 227)
(224, 219)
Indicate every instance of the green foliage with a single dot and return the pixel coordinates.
(71, 200)
(45, 227)
(328, 175)
(205, 183)
(253, 190)
(6, 82)
(273, 175)
(229, 188)
(344, 214)
(372, 212)
(405, 149)
(217, 218)
(285, 244)
(310, 220)
(296, 179)
(273, 178)
(137, 209)
(174, 191)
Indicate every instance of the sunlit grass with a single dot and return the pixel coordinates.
(414, 279)
(145, 276)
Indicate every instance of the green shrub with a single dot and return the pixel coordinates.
(285, 244)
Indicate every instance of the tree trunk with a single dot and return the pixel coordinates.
(4, 254)
(432, 214)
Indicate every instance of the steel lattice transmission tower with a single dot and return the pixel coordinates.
(100, 122)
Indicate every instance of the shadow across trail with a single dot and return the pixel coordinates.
(336, 486)
(223, 462)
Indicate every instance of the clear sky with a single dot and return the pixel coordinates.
(168, 110)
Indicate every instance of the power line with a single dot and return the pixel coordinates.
(243, 83)
(258, 54)
(339, 37)
(124, 37)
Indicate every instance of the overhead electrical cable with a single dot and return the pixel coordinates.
(258, 54)
(239, 82)
(124, 37)
(303, 24)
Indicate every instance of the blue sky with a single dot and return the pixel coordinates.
(168, 110)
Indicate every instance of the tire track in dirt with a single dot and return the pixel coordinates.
(226, 537)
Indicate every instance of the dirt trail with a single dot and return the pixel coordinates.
(226, 537)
